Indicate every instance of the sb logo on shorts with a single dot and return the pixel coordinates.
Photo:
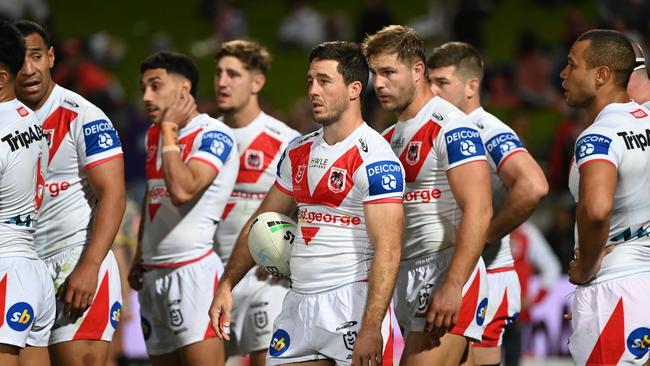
(279, 343)
(638, 342)
(116, 312)
(480, 311)
(20, 316)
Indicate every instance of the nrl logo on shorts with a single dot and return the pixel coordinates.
(413, 152)
(254, 159)
(300, 173)
(261, 319)
(336, 181)
(349, 338)
(423, 297)
(175, 315)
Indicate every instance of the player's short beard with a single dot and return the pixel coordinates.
(402, 99)
(335, 113)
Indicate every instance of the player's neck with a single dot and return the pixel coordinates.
(604, 99)
(472, 105)
(242, 117)
(339, 130)
(422, 96)
(187, 122)
(7, 93)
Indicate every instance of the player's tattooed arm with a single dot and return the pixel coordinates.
(107, 182)
(526, 186)
(593, 214)
(241, 262)
(475, 200)
(385, 226)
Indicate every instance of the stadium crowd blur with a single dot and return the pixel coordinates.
(523, 90)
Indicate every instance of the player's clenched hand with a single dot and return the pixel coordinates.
(368, 348)
(135, 277)
(180, 111)
(220, 312)
(78, 290)
(442, 313)
(578, 275)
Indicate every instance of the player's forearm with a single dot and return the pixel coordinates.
(470, 240)
(593, 229)
(383, 275)
(106, 223)
(520, 203)
(180, 181)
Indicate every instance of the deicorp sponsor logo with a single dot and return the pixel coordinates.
(100, 136)
(463, 143)
(384, 177)
(591, 145)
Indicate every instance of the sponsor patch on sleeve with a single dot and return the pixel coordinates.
(592, 144)
(216, 143)
(100, 136)
(500, 145)
(463, 143)
(384, 177)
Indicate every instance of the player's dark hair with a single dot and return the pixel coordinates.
(12, 48)
(395, 39)
(352, 64)
(463, 56)
(612, 49)
(27, 27)
(249, 53)
(173, 63)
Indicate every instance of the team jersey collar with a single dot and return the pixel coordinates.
(612, 107)
(192, 124)
(254, 123)
(476, 113)
(345, 141)
(10, 104)
(423, 111)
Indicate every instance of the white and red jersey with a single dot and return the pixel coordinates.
(174, 235)
(260, 145)
(620, 135)
(501, 142)
(438, 138)
(80, 137)
(21, 180)
(330, 184)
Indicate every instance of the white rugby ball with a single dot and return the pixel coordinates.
(270, 240)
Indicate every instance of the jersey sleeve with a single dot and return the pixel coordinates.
(459, 143)
(597, 144)
(381, 178)
(283, 172)
(214, 147)
(501, 143)
(97, 139)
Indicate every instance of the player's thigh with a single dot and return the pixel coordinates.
(79, 353)
(312, 363)
(9, 355)
(34, 356)
(209, 352)
(422, 349)
(257, 358)
(167, 359)
(486, 355)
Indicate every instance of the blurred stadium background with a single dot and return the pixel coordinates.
(100, 44)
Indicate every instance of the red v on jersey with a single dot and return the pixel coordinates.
(308, 233)
(265, 144)
(323, 194)
(416, 150)
(56, 127)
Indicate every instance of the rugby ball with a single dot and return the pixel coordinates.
(270, 240)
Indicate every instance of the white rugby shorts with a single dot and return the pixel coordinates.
(27, 305)
(102, 318)
(324, 326)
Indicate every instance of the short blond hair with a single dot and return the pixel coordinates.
(253, 55)
(395, 39)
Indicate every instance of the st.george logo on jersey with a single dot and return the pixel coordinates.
(336, 181)
(413, 152)
(254, 159)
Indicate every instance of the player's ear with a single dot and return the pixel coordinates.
(186, 86)
(354, 90)
(420, 70)
(603, 74)
(50, 56)
(4, 77)
(258, 82)
(473, 88)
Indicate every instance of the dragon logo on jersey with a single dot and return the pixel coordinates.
(300, 173)
(336, 181)
(413, 152)
(254, 159)
(638, 342)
